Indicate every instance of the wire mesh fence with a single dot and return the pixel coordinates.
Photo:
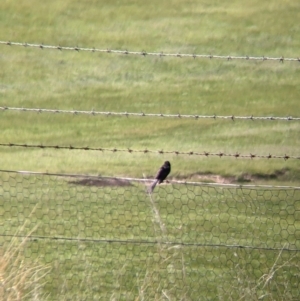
(108, 239)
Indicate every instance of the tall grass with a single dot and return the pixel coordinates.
(21, 278)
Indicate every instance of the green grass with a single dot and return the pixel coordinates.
(68, 80)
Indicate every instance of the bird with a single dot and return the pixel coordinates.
(161, 174)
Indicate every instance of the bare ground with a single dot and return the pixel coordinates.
(208, 177)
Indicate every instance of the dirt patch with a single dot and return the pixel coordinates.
(242, 178)
(102, 182)
(212, 178)
(277, 175)
(206, 177)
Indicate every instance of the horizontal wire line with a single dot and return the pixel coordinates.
(123, 241)
(142, 114)
(147, 151)
(144, 53)
(85, 176)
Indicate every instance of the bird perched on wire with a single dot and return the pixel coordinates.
(161, 175)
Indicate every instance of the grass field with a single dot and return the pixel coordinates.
(35, 78)
(67, 80)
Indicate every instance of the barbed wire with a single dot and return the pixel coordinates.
(148, 242)
(142, 114)
(147, 180)
(145, 53)
(147, 151)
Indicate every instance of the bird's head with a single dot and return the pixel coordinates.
(167, 163)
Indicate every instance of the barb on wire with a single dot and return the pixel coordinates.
(147, 151)
(160, 54)
(142, 114)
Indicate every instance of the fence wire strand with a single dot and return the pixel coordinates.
(237, 155)
(144, 242)
(100, 237)
(159, 54)
(146, 180)
(142, 114)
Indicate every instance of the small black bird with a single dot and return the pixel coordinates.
(161, 175)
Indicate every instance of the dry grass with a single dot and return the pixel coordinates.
(20, 279)
(266, 287)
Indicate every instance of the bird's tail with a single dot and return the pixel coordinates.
(153, 186)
